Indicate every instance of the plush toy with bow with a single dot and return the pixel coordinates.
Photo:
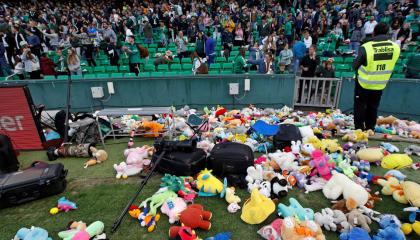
(320, 164)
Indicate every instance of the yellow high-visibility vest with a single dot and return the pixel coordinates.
(381, 59)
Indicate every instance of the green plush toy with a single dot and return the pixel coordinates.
(158, 199)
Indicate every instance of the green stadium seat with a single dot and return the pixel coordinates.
(171, 45)
(215, 66)
(338, 74)
(77, 77)
(99, 69)
(228, 66)
(46, 77)
(130, 74)
(124, 69)
(104, 62)
(163, 68)
(117, 75)
(171, 73)
(157, 74)
(176, 67)
(186, 60)
(342, 67)
(398, 69)
(412, 48)
(347, 74)
(144, 74)
(348, 60)
(398, 75)
(153, 45)
(125, 61)
(234, 53)
(187, 66)
(214, 72)
(172, 49)
(149, 68)
(338, 59)
(111, 69)
(220, 59)
(231, 58)
(102, 75)
(89, 76)
(161, 50)
(87, 69)
(63, 77)
(102, 57)
(186, 72)
(405, 54)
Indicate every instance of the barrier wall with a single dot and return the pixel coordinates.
(401, 97)
(195, 91)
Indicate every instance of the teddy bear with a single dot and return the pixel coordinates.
(194, 217)
(344, 205)
(320, 165)
(356, 218)
(390, 228)
(386, 120)
(284, 160)
(341, 184)
(98, 156)
(172, 208)
(34, 233)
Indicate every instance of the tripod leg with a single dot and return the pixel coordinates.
(143, 183)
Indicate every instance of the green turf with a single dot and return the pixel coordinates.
(100, 196)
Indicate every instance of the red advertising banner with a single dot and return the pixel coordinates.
(17, 120)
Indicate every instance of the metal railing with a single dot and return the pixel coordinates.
(317, 92)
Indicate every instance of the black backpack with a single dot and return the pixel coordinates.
(285, 135)
(231, 160)
(8, 160)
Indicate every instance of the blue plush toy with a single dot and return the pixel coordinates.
(390, 147)
(397, 174)
(34, 233)
(390, 229)
(355, 233)
(221, 236)
(295, 209)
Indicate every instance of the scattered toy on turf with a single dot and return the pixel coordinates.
(389, 228)
(295, 210)
(396, 161)
(370, 154)
(194, 216)
(258, 208)
(411, 192)
(320, 165)
(412, 150)
(397, 174)
(355, 233)
(172, 208)
(209, 185)
(98, 156)
(33, 233)
(182, 233)
(63, 205)
(80, 231)
(391, 186)
(272, 231)
(390, 147)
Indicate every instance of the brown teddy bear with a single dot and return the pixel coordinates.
(98, 156)
(356, 218)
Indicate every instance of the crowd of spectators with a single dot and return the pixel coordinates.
(280, 36)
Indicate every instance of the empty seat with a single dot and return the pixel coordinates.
(102, 75)
(89, 76)
(162, 68)
(117, 75)
(187, 66)
(144, 74)
(347, 74)
(157, 74)
(220, 59)
(186, 60)
(228, 66)
(342, 67)
(176, 67)
(99, 69)
(48, 77)
(111, 69)
(338, 59)
(124, 69)
(149, 68)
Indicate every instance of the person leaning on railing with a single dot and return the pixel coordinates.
(373, 65)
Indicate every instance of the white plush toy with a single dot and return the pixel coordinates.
(325, 219)
(296, 147)
(341, 184)
(254, 177)
(285, 160)
(306, 132)
(317, 183)
(265, 188)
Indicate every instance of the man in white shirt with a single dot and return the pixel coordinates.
(370, 26)
(307, 39)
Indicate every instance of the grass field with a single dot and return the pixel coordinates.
(100, 196)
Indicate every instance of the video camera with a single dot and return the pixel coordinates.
(184, 146)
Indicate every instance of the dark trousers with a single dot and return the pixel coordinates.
(134, 68)
(366, 103)
(35, 74)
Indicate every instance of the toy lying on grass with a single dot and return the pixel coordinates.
(63, 205)
(194, 216)
(414, 221)
(295, 210)
(396, 161)
(209, 185)
(172, 208)
(98, 156)
(136, 160)
(412, 150)
(33, 233)
(79, 231)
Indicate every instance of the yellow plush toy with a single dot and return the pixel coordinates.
(331, 146)
(209, 185)
(316, 143)
(412, 192)
(370, 154)
(356, 136)
(396, 161)
(391, 186)
(407, 228)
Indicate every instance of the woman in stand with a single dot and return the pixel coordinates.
(73, 62)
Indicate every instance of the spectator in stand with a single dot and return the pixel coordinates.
(264, 65)
(309, 63)
(166, 58)
(404, 36)
(413, 65)
(286, 57)
(288, 29)
(181, 43)
(73, 62)
(87, 45)
(299, 50)
(210, 49)
(112, 52)
(197, 62)
(148, 32)
(269, 45)
(53, 37)
(357, 36)
(107, 32)
(144, 53)
(200, 45)
(325, 70)
(307, 39)
(370, 26)
(255, 53)
(19, 69)
(31, 63)
(134, 56)
(239, 35)
(240, 65)
(34, 43)
(47, 65)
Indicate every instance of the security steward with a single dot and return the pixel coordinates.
(373, 65)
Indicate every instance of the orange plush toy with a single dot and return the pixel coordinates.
(195, 217)
(152, 127)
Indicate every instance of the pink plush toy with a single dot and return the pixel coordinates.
(272, 231)
(136, 159)
(172, 208)
(320, 165)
